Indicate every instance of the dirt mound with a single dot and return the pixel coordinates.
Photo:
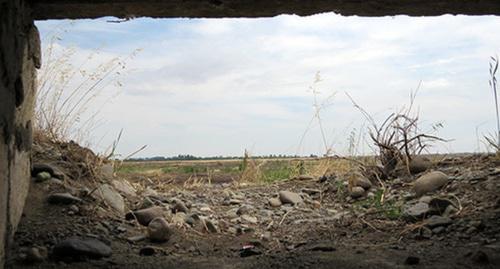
(73, 160)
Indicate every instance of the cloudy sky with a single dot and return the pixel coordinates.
(219, 86)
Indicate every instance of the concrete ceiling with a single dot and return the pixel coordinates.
(74, 9)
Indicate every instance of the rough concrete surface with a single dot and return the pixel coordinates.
(58, 9)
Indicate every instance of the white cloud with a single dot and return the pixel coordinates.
(213, 87)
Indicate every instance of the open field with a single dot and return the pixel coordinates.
(219, 171)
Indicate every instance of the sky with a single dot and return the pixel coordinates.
(210, 87)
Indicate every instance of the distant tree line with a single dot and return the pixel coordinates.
(189, 157)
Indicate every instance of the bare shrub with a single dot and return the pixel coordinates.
(398, 138)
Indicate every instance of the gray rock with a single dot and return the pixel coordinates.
(33, 254)
(238, 196)
(179, 218)
(274, 202)
(145, 216)
(425, 199)
(159, 230)
(149, 192)
(245, 209)
(416, 211)
(363, 182)
(107, 170)
(266, 213)
(75, 247)
(211, 226)
(111, 197)
(438, 230)
(55, 181)
(192, 219)
(449, 211)
(436, 221)
(357, 192)
(136, 238)
(430, 182)
(43, 176)
(249, 219)
(146, 203)
(288, 197)
(231, 213)
(419, 164)
(266, 236)
(179, 206)
(63, 198)
(44, 167)
(74, 208)
(124, 187)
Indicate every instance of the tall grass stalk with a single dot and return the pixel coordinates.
(68, 87)
(493, 86)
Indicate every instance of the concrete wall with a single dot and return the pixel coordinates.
(19, 58)
(58, 9)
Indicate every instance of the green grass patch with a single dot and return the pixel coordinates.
(389, 209)
(278, 172)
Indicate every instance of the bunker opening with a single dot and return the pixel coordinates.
(270, 141)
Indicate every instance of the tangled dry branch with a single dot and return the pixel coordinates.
(398, 138)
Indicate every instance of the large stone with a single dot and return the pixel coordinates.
(145, 216)
(249, 219)
(362, 182)
(288, 197)
(430, 182)
(48, 168)
(274, 202)
(179, 206)
(210, 225)
(78, 248)
(416, 211)
(159, 230)
(107, 170)
(245, 209)
(111, 197)
(124, 187)
(357, 192)
(419, 164)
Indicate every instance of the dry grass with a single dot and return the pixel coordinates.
(69, 86)
(493, 141)
(250, 169)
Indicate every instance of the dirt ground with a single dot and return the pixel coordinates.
(327, 229)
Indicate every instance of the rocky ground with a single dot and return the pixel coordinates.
(445, 215)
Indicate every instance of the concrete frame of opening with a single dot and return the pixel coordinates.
(20, 57)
